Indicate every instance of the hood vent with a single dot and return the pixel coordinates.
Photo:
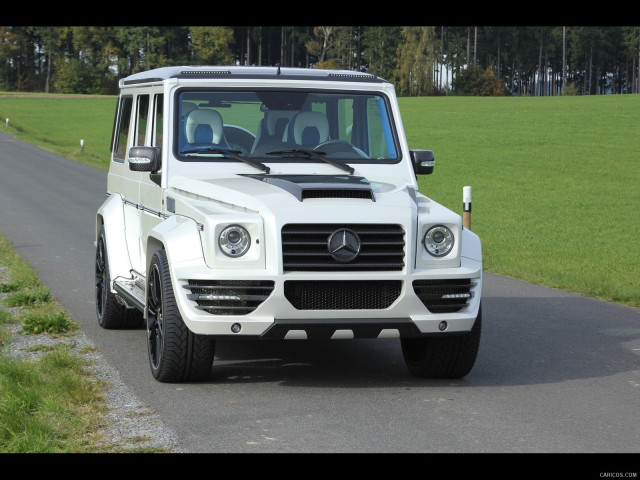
(320, 186)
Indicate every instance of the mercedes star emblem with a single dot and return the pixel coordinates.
(344, 245)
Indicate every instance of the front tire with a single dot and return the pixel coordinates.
(443, 357)
(175, 353)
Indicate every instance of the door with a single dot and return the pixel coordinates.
(150, 189)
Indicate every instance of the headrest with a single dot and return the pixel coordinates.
(277, 120)
(206, 119)
(310, 128)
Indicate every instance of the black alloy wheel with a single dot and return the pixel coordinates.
(175, 353)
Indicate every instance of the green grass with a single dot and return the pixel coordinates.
(29, 297)
(58, 123)
(38, 322)
(555, 179)
(555, 184)
(48, 404)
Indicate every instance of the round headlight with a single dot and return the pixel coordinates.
(438, 241)
(234, 241)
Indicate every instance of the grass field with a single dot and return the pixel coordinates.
(556, 184)
(555, 179)
(58, 123)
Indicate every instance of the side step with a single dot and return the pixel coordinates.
(131, 292)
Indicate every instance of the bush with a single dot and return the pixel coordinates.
(27, 298)
(34, 324)
(475, 82)
(571, 90)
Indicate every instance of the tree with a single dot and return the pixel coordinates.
(212, 45)
(416, 57)
(320, 43)
(631, 39)
(380, 46)
(529, 60)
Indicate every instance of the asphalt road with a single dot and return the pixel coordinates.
(556, 372)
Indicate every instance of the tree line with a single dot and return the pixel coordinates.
(420, 60)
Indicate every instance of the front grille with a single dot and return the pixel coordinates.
(342, 295)
(444, 296)
(229, 297)
(305, 248)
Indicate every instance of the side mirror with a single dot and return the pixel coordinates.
(423, 161)
(144, 159)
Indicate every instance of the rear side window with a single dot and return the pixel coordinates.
(156, 141)
(122, 134)
(143, 115)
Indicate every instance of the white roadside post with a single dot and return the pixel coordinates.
(82, 145)
(466, 207)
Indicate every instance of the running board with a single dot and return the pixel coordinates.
(131, 292)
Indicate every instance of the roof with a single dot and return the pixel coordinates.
(271, 73)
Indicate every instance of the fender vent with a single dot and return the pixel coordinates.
(229, 297)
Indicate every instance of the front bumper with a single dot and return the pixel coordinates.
(346, 305)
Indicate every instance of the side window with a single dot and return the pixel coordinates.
(143, 114)
(381, 138)
(156, 141)
(122, 137)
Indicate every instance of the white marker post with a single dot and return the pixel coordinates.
(466, 207)
(82, 145)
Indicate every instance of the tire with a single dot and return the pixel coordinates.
(175, 353)
(443, 357)
(111, 314)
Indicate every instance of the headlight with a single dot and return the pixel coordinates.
(234, 241)
(438, 241)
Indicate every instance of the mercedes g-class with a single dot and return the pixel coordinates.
(278, 203)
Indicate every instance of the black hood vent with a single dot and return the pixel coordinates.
(320, 186)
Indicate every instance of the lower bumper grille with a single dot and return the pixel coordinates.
(229, 297)
(342, 295)
(444, 296)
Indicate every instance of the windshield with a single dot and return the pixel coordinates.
(284, 126)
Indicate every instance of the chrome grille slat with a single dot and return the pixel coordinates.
(214, 298)
(339, 267)
(224, 287)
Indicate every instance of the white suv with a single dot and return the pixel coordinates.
(278, 203)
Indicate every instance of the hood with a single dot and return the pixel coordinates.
(254, 192)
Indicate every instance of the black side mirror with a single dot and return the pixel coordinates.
(144, 159)
(423, 161)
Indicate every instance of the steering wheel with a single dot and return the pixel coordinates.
(337, 146)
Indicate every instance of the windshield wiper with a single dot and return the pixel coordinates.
(314, 154)
(232, 154)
